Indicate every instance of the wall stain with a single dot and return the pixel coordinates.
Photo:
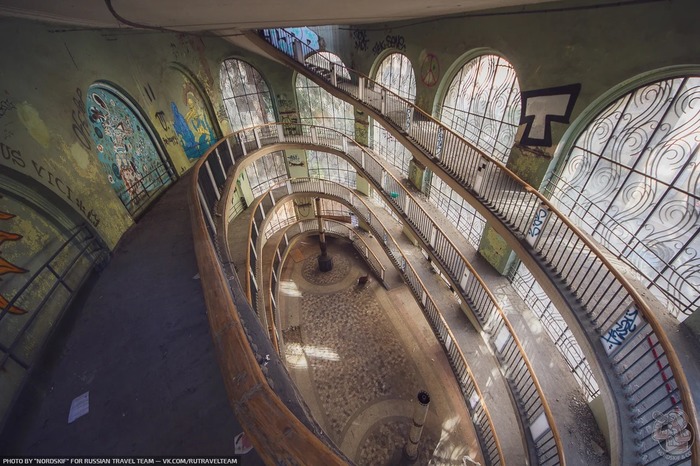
(31, 120)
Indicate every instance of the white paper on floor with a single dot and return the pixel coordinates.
(241, 444)
(79, 407)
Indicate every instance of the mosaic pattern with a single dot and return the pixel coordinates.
(311, 273)
(354, 353)
(385, 442)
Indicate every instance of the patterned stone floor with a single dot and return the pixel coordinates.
(356, 368)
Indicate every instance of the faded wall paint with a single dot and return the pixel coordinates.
(45, 131)
(598, 48)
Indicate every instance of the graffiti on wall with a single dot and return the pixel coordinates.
(429, 70)
(622, 330)
(42, 173)
(194, 130)
(126, 152)
(6, 266)
(81, 128)
(5, 106)
(359, 36)
(541, 107)
(397, 42)
(306, 36)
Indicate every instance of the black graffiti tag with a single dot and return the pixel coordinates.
(81, 129)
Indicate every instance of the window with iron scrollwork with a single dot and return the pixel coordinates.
(247, 98)
(265, 172)
(317, 106)
(631, 180)
(396, 73)
(482, 104)
(332, 168)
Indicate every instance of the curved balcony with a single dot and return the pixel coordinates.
(271, 138)
(629, 351)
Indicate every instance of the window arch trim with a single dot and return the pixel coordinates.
(606, 99)
(455, 68)
(273, 100)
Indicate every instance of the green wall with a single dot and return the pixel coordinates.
(598, 48)
(44, 127)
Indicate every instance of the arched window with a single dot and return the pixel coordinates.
(265, 172)
(318, 107)
(631, 180)
(132, 162)
(247, 99)
(331, 167)
(395, 73)
(482, 104)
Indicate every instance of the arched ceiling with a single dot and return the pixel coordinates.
(218, 15)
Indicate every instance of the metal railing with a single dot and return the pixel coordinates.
(136, 197)
(304, 227)
(601, 297)
(538, 423)
(281, 431)
(658, 274)
(44, 297)
(329, 189)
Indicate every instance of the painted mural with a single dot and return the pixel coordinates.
(306, 35)
(6, 267)
(194, 129)
(125, 149)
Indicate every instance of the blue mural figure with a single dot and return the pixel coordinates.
(195, 133)
(125, 149)
(183, 131)
(307, 36)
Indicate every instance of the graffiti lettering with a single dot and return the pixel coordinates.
(389, 42)
(378, 47)
(221, 113)
(12, 155)
(622, 330)
(163, 122)
(65, 189)
(396, 42)
(537, 223)
(5, 106)
(80, 124)
(171, 141)
(360, 37)
(149, 92)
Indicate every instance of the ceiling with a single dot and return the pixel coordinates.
(228, 15)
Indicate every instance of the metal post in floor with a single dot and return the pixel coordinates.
(419, 414)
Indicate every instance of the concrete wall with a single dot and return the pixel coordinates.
(46, 132)
(598, 48)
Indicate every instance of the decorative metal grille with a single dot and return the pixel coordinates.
(631, 181)
(247, 99)
(458, 211)
(265, 172)
(318, 107)
(396, 73)
(483, 104)
(331, 167)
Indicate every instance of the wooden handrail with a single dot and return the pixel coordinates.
(277, 435)
(647, 313)
(547, 410)
(459, 350)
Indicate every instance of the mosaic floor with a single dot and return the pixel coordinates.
(356, 368)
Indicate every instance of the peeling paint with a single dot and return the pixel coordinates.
(31, 120)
